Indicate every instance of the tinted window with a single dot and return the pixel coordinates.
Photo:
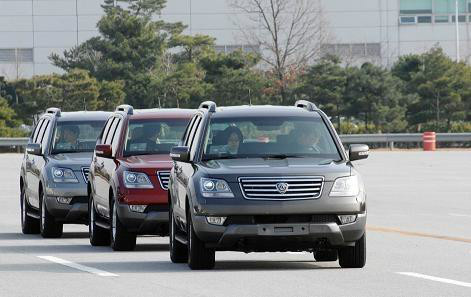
(115, 137)
(189, 130)
(106, 129)
(73, 137)
(37, 130)
(45, 136)
(269, 136)
(109, 137)
(153, 136)
(195, 136)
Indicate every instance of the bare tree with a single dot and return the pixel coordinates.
(288, 33)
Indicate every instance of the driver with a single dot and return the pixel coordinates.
(233, 138)
(307, 140)
(68, 138)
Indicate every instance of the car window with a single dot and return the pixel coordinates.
(269, 136)
(112, 129)
(115, 137)
(45, 136)
(195, 137)
(106, 129)
(153, 136)
(75, 136)
(37, 130)
(189, 130)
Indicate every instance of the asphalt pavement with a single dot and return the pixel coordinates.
(418, 244)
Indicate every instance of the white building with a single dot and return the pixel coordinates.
(361, 30)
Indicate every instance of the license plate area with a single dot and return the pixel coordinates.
(278, 230)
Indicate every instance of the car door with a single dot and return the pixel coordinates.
(184, 171)
(29, 162)
(99, 182)
(37, 163)
(105, 168)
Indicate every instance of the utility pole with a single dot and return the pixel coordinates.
(457, 28)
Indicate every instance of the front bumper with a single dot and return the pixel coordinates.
(75, 212)
(279, 237)
(154, 221)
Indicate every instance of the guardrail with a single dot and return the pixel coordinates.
(389, 139)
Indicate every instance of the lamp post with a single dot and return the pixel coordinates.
(457, 32)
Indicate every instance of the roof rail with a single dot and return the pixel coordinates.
(125, 108)
(54, 110)
(309, 106)
(209, 105)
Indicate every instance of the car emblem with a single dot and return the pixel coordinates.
(282, 187)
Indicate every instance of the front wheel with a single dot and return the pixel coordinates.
(178, 251)
(47, 223)
(121, 238)
(98, 236)
(199, 257)
(29, 225)
(354, 257)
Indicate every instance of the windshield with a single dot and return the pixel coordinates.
(269, 137)
(76, 137)
(147, 137)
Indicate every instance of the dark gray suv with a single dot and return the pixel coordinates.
(54, 171)
(265, 179)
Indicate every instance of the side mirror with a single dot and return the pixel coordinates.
(34, 149)
(180, 154)
(358, 152)
(103, 150)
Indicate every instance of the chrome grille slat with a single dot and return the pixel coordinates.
(265, 188)
(164, 177)
(85, 172)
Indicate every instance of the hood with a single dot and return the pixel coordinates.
(231, 170)
(148, 163)
(71, 160)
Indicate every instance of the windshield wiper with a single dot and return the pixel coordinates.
(281, 156)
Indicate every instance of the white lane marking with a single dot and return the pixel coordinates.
(459, 215)
(437, 279)
(296, 253)
(77, 266)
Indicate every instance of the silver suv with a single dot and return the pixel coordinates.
(54, 171)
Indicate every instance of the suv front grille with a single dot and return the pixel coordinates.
(85, 172)
(164, 176)
(282, 188)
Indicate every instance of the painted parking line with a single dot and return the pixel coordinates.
(437, 279)
(417, 234)
(77, 266)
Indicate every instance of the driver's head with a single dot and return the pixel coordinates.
(71, 133)
(307, 137)
(152, 132)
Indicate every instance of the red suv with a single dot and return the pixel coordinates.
(129, 175)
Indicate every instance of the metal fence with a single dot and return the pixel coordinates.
(388, 139)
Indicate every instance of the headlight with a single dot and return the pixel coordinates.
(63, 175)
(215, 188)
(345, 186)
(133, 180)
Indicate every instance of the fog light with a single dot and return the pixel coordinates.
(216, 220)
(347, 219)
(64, 200)
(137, 208)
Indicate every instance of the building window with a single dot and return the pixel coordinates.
(424, 19)
(235, 47)
(16, 55)
(415, 6)
(461, 19)
(442, 19)
(355, 50)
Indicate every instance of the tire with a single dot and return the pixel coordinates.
(98, 236)
(29, 225)
(326, 256)
(178, 251)
(121, 239)
(199, 257)
(354, 257)
(47, 223)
